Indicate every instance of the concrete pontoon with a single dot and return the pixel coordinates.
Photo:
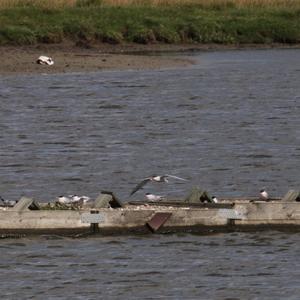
(172, 216)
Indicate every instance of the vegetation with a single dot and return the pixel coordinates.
(150, 21)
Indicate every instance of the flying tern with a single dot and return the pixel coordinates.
(154, 178)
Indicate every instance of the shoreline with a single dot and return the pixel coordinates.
(70, 58)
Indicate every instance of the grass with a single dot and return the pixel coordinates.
(141, 21)
(59, 4)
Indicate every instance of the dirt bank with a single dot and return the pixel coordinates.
(70, 58)
(86, 58)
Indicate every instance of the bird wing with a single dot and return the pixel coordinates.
(140, 185)
(176, 177)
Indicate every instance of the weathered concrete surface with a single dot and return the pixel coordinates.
(242, 215)
(65, 219)
(280, 213)
(180, 217)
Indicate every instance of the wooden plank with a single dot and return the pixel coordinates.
(198, 195)
(291, 196)
(107, 199)
(158, 220)
(26, 203)
(103, 201)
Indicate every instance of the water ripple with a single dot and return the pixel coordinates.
(230, 124)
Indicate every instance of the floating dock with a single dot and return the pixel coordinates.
(150, 217)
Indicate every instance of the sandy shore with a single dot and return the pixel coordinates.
(85, 58)
(70, 58)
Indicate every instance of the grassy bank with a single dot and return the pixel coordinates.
(140, 21)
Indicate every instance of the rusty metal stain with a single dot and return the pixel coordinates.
(158, 220)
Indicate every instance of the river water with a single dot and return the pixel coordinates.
(224, 266)
(230, 124)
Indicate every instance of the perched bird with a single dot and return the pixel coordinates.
(8, 203)
(63, 200)
(214, 199)
(45, 60)
(71, 199)
(152, 197)
(154, 178)
(84, 199)
(74, 198)
(263, 195)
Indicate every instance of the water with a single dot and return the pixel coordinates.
(229, 124)
(225, 266)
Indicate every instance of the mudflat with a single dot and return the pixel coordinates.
(73, 58)
(69, 57)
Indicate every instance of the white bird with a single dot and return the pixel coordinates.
(263, 195)
(76, 198)
(84, 199)
(64, 200)
(152, 197)
(154, 178)
(8, 203)
(73, 199)
(214, 199)
(45, 60)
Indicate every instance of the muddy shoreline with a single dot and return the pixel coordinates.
(70, 58)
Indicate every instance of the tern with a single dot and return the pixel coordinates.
(63, 199)
(154, 178)
(8, 203)
(45, 60)
(263, 195)
(75, 198)
(72, 199)
(214, 199)
(152, 197)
